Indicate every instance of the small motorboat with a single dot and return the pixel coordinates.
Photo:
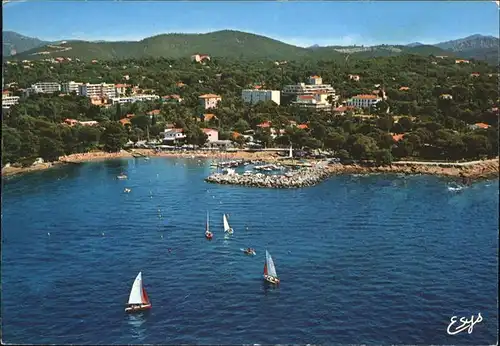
(138, 299)
(127, 190)
(122, 176)
(270, 274)
(249, 251)
(209, 235)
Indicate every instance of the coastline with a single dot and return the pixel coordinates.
(475, 170)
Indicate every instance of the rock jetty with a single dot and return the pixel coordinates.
(300, 178)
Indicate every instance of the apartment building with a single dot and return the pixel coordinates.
(8, 101)
(363, 101)
(103, 90)
(46, 87)
(315, 86)
(70, 87)
(209, 100)
(254, 96)
(317, 102)
(121, 89)
(132, 99)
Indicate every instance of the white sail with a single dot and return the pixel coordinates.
(226, 224)
(271, 270)
(136, 292)
(208, 223)
(290, 155)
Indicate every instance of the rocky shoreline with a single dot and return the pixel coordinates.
(486, 169)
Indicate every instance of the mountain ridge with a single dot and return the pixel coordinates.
(235, 44)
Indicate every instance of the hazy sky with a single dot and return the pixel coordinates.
(298, 23)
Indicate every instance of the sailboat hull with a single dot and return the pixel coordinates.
(137, 308)
(209, 236)
(271, 279)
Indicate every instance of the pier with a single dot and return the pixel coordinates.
(299, 178)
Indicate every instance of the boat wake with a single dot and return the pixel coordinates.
(456, 188)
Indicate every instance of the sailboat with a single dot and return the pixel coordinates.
(290, 153)
(138, 299)
(270, 271)
(227, 228)
(208, 234)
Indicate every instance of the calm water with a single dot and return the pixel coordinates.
(377, 259)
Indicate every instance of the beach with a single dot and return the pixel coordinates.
(485, 169)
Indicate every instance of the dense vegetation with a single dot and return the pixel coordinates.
(434, 128)
(225, 43)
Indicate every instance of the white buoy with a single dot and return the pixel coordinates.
(48, 233)
(102, 234)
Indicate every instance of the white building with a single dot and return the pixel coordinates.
(46, 87)
(132, 99)
(213, 135)
(316, 101)
(315, 86)
(363, 101)
(8, 101)
(70, 87)
(209, 100)
(101, 90)
(173, 135)
(254, 96)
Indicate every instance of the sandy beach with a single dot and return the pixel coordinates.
(475, 170)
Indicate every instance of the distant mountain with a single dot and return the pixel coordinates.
(14, 43)
(237, 44)
(470, 43)
(414, 44)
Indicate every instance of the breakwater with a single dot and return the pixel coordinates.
(299, 178)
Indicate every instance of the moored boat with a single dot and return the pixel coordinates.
(270, 274)
(138, 299)
(122, 176)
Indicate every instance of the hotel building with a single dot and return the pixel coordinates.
(254, 96)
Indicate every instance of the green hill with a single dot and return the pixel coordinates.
(230, 44)
(224, 44)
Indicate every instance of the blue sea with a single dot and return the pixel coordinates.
(375, 259)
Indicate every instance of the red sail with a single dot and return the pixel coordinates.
(145, 298)
(265, 268)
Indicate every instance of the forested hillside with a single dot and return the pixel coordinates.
(433, 127)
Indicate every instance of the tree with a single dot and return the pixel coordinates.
(50, 149)
(385, 123)
(114, 137)
(335, 141)
(142, 121)
(11, 144)
(241, 126)
(383, 157)
(405, 123)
